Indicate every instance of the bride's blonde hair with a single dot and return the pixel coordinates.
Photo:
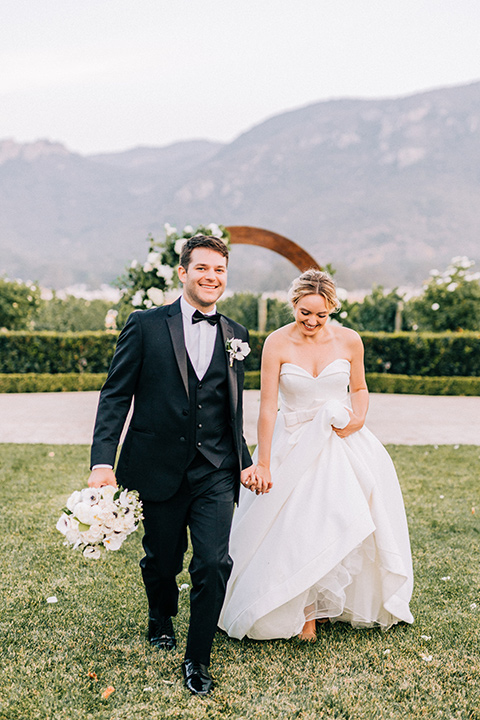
(314, 282)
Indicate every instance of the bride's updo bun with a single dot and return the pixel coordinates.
(314, 282)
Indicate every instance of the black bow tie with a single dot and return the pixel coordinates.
(198, 317)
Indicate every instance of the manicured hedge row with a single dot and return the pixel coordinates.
(45, 382)
(49, 352)
(422, 354)
(432, 354)
(417, 385)
(377, 383)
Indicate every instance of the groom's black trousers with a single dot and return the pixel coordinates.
(204, 503)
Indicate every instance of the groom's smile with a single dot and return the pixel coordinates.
(205, 279)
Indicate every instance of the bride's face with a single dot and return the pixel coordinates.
(311, 314)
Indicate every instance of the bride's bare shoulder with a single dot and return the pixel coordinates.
(278, 337)
(346, 335)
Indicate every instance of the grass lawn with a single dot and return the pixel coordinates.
(57, 659)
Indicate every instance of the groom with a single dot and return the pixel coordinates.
(184, 450)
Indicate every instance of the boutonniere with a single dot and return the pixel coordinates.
(237, 349)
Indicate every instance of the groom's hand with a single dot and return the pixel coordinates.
(102, 476)
(247, 478)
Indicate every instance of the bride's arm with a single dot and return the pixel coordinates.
(270, 375)
(358, 387)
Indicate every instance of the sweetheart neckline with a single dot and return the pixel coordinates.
(315, 377)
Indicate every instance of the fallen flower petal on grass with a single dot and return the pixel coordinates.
(426, 637)
(387, 651)
(446, 577)
(147, 689)
(52, 599)
(107, 692)
(185, 586)
(427, 658)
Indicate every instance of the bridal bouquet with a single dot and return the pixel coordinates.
(99, 517)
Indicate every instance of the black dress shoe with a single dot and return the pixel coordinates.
(197, 677)
(161, 633)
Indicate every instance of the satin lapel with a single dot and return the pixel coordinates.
(227, 333)
(175, 326)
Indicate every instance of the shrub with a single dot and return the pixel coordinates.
(432, 354)
(48, 352)
(415, 354)
(18, 304)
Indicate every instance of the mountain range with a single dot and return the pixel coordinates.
(383, 190)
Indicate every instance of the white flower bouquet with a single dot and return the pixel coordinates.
(99, 517)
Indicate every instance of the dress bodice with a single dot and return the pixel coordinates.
(299, 390)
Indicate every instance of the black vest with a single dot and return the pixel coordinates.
(210, 429)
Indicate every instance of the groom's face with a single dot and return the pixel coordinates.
(205, 278)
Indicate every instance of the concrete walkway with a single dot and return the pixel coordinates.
(68, 418)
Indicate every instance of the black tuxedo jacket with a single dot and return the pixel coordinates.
(150, 366)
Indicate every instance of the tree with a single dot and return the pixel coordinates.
(71, 314)
(376, 313)
(450, 300)
(18, 304)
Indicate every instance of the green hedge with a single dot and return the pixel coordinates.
(50, 352)
(377, 383)
(431, 354)
(419, 354)
(45, 382)
(418, 385)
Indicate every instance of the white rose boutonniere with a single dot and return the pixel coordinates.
(237, 349)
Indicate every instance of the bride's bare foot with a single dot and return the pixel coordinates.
(309, 632)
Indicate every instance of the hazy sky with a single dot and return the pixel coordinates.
(114, 74)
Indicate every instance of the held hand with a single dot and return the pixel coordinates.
(355, 424)
(247, 478)
(102, 476)
(263, 480)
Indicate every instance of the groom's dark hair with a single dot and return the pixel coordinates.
(203, 241)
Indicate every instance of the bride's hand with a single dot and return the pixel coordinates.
(263, 480)
(355, 424)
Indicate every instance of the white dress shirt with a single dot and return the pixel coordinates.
(199, 338)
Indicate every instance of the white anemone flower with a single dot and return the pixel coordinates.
(92, 552)
(74, 498)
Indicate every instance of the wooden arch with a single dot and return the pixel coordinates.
(245, 235)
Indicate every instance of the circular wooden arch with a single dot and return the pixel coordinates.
(245, 235)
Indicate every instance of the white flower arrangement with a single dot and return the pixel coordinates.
(97, 518)
(144, 285)
(237, 349)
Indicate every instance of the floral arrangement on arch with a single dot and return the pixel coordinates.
(144, 284)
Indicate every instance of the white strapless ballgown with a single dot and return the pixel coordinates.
(330, 540)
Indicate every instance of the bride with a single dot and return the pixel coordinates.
(324, 534)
